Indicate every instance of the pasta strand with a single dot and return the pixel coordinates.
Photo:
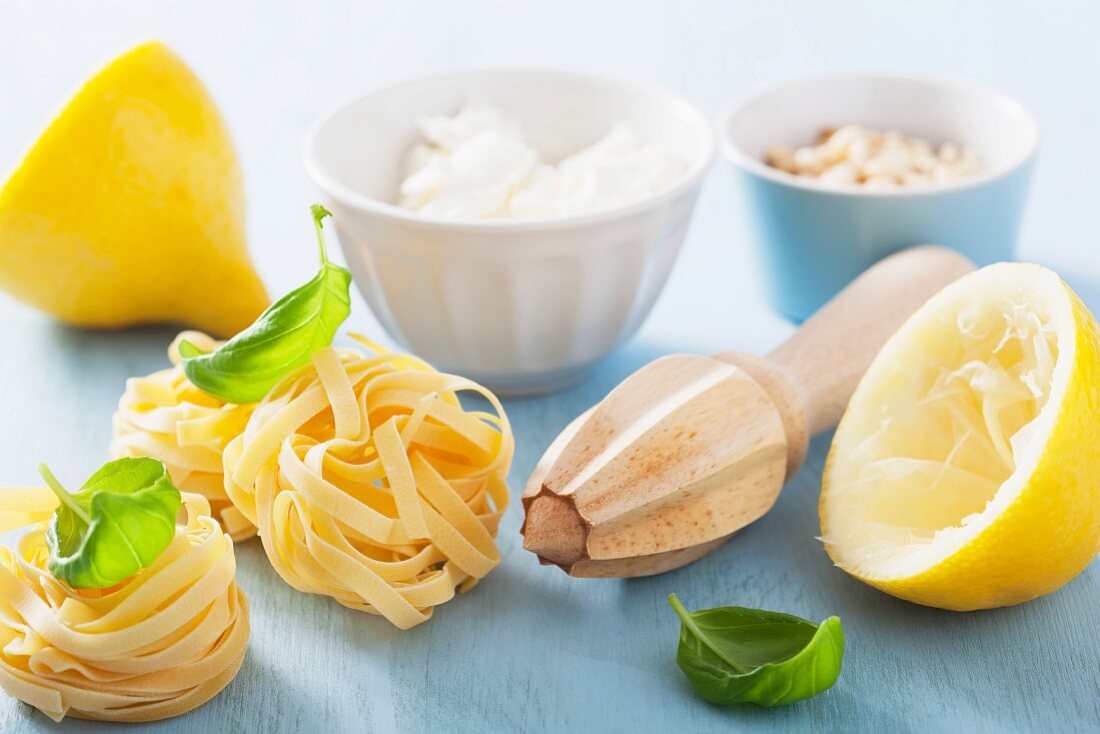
(370, 483)
(161, 643)
(165, 417)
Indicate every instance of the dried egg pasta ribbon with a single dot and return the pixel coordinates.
(155, 646)
(370, 483)
(165, 417)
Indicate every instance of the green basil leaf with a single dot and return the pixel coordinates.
(281, 340)
(115, 525)
(741, 655)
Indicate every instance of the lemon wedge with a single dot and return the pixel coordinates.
(129, 208)
(965, 473)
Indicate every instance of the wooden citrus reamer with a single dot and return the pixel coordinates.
(690, 449)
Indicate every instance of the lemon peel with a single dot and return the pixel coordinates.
(132, 201)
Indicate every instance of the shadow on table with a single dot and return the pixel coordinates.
(138, 350)
(138, 338)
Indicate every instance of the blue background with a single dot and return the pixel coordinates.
(530, 649)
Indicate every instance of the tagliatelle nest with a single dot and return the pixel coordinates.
(371, 484)
(157, 645)
(165, 417)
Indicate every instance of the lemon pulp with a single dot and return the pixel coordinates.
(966, 421)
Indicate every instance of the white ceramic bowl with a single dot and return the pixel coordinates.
(522, 306)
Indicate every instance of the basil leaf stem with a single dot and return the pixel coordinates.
(112, 527)
(742, 655)
(63, 494)
(282, 339)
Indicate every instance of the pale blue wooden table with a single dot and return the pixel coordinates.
(531, 649)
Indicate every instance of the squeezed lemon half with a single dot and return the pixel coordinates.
(965, 473)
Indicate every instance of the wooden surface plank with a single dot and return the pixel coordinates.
(531, 649)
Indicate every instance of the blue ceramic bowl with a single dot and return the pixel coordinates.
(812, 239)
